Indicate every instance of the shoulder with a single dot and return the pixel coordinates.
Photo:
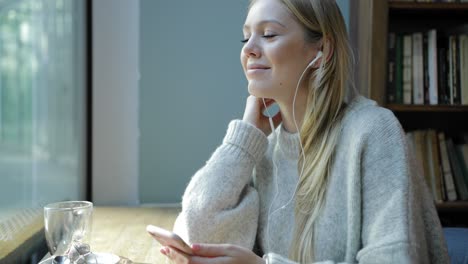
(374, 134)
(364, 118)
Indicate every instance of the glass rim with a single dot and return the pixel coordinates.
(76, 205)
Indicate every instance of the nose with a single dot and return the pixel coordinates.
(251, 48)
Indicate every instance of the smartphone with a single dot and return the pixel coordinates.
(169, 239)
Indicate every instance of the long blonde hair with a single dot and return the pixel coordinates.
(320, 130)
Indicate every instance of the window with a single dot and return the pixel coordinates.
(42, 106)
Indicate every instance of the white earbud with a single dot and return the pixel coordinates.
(319, 55)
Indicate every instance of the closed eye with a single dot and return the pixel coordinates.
(267, 36)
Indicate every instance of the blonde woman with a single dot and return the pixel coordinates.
(333, 184)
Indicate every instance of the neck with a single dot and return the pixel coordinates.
(286, 109)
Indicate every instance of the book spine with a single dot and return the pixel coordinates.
(450, 63)
(391, 72)
(457, 173)
(447, 171)
(407, 69)
(456, 71)
(432, 67)
(434, 162)
(464, 69)
(399, 69)
(442, 75)
(418, 76)
(463, 162)
(425, 68)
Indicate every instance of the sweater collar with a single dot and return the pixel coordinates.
(289, 142)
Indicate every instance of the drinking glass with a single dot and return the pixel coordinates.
(68, 230)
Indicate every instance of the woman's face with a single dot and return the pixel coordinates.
(275, 52)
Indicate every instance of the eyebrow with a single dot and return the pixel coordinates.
(270, 21)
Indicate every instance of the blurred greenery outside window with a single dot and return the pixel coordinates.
(42, 108)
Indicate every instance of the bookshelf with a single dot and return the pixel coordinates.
(413, 7)
(428, 108)
(451, 118)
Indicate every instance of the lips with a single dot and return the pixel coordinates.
(256, 70)
(257, 67)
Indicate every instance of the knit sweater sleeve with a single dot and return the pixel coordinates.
(219, 204)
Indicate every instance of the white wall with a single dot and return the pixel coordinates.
(115, 102)
(191, 86)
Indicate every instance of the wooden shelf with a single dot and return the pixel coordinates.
(442, 13)
(428, 6)
(427, 108)
(453, 207)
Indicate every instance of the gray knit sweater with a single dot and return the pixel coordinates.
(377, 209)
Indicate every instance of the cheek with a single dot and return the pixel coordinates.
(289, 64)
(243, 59)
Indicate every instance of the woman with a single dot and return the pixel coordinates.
(334, 183)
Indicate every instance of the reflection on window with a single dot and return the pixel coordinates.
(42, 104)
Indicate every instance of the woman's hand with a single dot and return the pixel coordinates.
(253, 114)
(213, 254)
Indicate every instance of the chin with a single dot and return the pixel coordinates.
(259, 91)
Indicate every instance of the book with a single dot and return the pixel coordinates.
(454, 71)
(464, 69)
(399, 69)
(443, 90)
(463, 160)
(460, 185)
(463, 148)
(425, 69)
(391, 71)
(418, 69)
(450, 62)
(457, 73)
(447, 170)
(432, 67)
(434, 164)
(407, 69)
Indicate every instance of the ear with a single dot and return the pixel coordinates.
(327, 48)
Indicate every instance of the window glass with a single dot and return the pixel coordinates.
(42, 104)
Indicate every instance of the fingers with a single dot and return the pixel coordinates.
(277, 119)
(205, 260)
(176, 255)
(212, 250)
(268, 102)
(256, 104)
(212, 254)
(179, 257)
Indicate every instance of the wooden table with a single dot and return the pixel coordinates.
(122, 231)
(21, 231)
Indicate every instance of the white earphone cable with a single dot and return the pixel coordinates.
(275, 174)
(275, 168)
